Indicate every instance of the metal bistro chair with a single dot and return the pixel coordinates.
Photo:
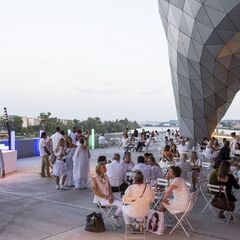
(213, 190)
(183, 218)
(136, 233)
(106, 210)
(162, 183)
(202, 181)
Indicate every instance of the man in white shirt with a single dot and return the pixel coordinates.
(44, 153)
(2, 165)
(127, 163)
(73, 135)
(182, 147)
(144, 168)
(56, 138)
(117, 175)
(102, 141)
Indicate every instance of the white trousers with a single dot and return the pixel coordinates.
(117, 202)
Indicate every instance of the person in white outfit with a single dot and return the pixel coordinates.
(73, 135)
(56, 138)
(116, 174)
(180, 191)
(70, 150)
(2, 165)
(182, 147)
(59, 167)
(144, 168)
(185, 167)
(156, 169)
(81, 166)
(103, 192)
(127, 162)
(137, 199)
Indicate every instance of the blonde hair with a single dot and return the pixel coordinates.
(99, 165)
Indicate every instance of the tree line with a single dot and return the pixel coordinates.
(49, 124)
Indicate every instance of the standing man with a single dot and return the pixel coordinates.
(73, 135)
(56, 138)
(44, 153)
(2, 165)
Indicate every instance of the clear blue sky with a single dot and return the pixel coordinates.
(80, 58)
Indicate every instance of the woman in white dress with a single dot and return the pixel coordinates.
(70, 150)
(180, 191)
(81, 166)
(59, 167)
(209, 151)
(137, 199)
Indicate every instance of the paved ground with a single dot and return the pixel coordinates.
(32, 209)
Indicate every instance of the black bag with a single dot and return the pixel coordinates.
(221, 202)
(94, 223)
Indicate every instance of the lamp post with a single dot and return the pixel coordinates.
(8, 127)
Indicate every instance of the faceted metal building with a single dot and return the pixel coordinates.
(204, 50)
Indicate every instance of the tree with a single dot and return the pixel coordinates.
(16, 124)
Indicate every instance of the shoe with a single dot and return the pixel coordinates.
(57, 187)
(62, 187)
(42, 175)
(115, 221)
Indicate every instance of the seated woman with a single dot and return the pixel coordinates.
(228, 180)
(103, 191)
(167, 154)
(196, 169)
(179, 189)
(137, 199)
(175, 153)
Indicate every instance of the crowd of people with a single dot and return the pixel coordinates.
(67, 158)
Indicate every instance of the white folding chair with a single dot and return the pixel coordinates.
(136, 233)
(105, 210)
(206, 165)
(212, 190)
(215, 190)
(203, 179)
(162, 183)
(183, 218)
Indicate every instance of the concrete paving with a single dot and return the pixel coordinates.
(32, 209)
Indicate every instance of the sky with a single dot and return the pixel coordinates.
(81, 58)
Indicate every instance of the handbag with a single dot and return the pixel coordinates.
(155, 222)
(52, 158)
(222, 203)
(94, 223)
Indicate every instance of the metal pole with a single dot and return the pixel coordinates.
(8, 128)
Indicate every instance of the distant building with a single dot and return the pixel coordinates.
(28, 121)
